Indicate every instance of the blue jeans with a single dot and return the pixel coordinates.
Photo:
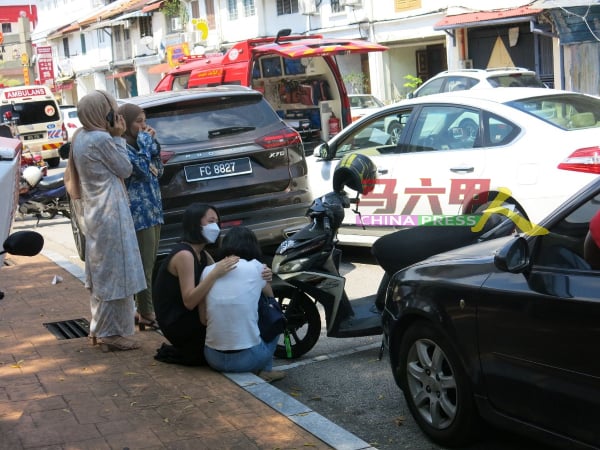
(253, 359)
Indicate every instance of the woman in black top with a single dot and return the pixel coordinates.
(178, 291)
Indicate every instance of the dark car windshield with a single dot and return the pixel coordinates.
(567, 111)
(33, 112)
(203, 119)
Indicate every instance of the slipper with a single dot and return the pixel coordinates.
(272, 375)
(117, 343)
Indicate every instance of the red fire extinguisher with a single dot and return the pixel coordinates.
(334, 125)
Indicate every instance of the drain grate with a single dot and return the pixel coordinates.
(69, 329)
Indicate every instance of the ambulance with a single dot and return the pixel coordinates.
(298, 75)
(34, 115)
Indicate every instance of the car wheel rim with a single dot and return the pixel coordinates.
(432, 383)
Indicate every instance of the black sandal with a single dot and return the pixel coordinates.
(142, 323)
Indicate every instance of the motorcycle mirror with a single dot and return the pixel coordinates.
(64, 150)
(23, 243)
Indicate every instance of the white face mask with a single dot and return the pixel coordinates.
(211, 232)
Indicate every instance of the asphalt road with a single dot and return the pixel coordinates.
(341, 379)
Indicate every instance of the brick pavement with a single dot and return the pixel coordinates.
(66, 394)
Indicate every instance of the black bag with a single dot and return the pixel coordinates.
(271, 321)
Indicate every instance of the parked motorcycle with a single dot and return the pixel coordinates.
(306, 265)
(29, 159)
(44, 197)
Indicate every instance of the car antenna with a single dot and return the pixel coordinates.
(282, 33)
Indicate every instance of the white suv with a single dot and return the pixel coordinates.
(460, 80)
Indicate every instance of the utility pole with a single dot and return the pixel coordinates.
(26, 55)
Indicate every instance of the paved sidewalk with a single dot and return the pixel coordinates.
(66, 394)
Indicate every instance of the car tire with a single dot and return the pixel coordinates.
(53, 163)
(436, 387)
(76, 213)
(303, 322)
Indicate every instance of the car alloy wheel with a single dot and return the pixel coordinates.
(431, 383)
(436, 387)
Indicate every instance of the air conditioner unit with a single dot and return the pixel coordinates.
(176, 23)
(466, 63)
(351, 3)
(307, 7)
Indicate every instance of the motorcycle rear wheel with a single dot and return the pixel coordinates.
(303, 322)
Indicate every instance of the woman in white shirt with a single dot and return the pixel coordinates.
(233, 342)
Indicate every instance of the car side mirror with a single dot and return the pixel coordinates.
(513, 257)
(323, 151)
(410, 95)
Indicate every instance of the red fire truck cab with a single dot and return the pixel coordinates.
(298, 75)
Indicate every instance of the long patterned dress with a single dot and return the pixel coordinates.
(113, 265)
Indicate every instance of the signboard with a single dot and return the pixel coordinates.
(26, 92)
(174, 52)
(45, 65)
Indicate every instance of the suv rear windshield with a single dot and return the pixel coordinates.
(32, 112)
(516, 80)
(198, 121)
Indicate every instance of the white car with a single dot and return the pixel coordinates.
(363, 104)
(70, 119)
(453, 153)
(463, 79)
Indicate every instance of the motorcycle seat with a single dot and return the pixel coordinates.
(51, 181)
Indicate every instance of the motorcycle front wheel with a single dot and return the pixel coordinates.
(303, 322)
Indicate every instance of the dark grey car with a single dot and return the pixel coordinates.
(227, 146)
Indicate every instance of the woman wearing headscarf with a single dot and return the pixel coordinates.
(113, 266)
(144, 200)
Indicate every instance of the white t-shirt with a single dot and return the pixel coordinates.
(232, 307)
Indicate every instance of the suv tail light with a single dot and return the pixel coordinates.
(583, 160)
(65, 136)
(166, 156)
(282, 139)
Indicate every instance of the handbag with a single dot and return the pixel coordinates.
(71, 178)
(271, 320)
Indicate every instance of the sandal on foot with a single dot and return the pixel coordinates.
(273, 375)
(117, 343)
(143, 322)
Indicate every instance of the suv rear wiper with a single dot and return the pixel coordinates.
(228, 130)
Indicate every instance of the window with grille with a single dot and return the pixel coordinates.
(83, 47)
(336, 7)
(249, 9)
(6, 28)
(232, 9)
(145, 24)
(100, 35)
(287, 7)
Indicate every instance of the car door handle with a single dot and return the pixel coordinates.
(462, 169)
(382, 171)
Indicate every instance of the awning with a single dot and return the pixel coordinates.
(120, 75)
(152, 6)
(318, 47)
(160, 68)
(485, 18)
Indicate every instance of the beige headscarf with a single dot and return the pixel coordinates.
(93, 108)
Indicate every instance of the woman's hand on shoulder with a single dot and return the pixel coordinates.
(226, 265)
(267, 273)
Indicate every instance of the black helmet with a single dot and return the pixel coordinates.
(356, 171)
